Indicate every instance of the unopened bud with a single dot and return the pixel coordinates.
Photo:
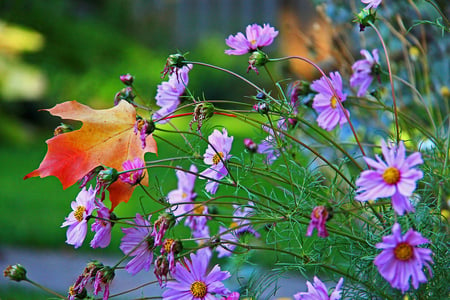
(257, 59)
(445, 91)
(107, 176)
(203, 111)
(250, 145)
(365, 18)
(15, 272)
(173, 62)
(127, 79)
(124, 94)
(262, 108)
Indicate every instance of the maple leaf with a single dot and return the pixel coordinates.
(106, 138)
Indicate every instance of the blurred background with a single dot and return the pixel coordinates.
(58, 50)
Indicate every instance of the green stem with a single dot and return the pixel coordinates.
(44, 288)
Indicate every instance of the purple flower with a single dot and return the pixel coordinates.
(139, 243)
(197, 223)
(169, 93)
(319, 216)
(371, 3)
(318, 291)
(216, 154)
(101, 227)
(269, 148)
(256, 38)
(132, 177)
(164, 222)
(239, 226)
(326, 104)
(192, 282)
(82, 207)
(184, 193)
(396, 177)
(102, 280)
(364, 70)
(140, 127)
(402, 259)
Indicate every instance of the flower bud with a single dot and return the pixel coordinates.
(127, 79)
(15, 272)
(445, 91)
(257, 59)
(202, 111)
(173, 62)
(107, 176)
(260, 96)
(364, 18)
(161, 268)
(124, 94)
(63, 128)
(262, 108)
(250, 145)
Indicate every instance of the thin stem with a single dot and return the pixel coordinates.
(332, 89)
(390, 79)
(44, 288)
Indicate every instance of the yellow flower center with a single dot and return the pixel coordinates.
(217, 157)
(199, 209)
(168, 244)
(403, 251)
(78, 214)
(391, 175)
(184, 195)
(140, 124)
(333, 102)
(198, 289)
(253, 42)
(233, 225)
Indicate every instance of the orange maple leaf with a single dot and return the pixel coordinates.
(106, 138)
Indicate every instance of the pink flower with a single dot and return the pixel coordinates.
(256, 38)
(193, 282)
(232, 296)
(102, 280)
(169, 93)
(319, 216)
(164, 222)
(364, 70)
(184, 193)
(101, 227)
(139, 243)
(318, 291)
(394, 178)
(216, 154)
(326, 104)
(82, 207)
(140, 127)
(135, 176)
(401, 259)
(371, 3)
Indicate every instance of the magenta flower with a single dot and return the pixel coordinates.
(140, 127)
(394, 178)
(364, 71)
(269, 148)
(169, 93)
(216, 154)
(319, 216)
(401, 259)
(164, 222)
(101, 227)
(82, 207)
(326, 104)
(133, 177)
(102, 281)
(192, 282)
(318, 291)
(184, 193)
(256, 38)
(371, 3)
(139, 243)
(232, 296)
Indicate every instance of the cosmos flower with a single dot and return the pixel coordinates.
(238, 227)
(184, 193)
(318, 291)
(326, 104)
(82, 207)
(216, 154)
(256, 37)
(139, 243)
(102, 281)
(401, 259)
(140, 127)
(371, 3)
(101, 227)
(319, 216)
(364, 71)
(193, 282)
(133, 177)
(169, 93)
(394, 178)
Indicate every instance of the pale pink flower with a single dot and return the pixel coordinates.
(318, 291)
(364, 70)
(256, 38)
(135, 176)
(371, 3)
